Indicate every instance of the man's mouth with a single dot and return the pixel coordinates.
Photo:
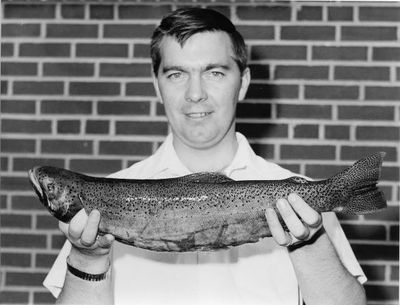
(197, 115)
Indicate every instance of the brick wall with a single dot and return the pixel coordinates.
(77, 93)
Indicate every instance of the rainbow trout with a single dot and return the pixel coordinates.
(199, 212)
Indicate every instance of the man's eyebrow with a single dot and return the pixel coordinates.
(217, 66)
(172, 68)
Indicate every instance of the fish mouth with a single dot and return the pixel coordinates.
(35, 184)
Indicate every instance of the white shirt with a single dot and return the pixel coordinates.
(251, 274)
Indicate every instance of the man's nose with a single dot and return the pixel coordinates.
(195, 91)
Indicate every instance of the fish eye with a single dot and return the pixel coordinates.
(51, 187)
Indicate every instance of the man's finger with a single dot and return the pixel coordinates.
(309, 216)
(88, 237)
(278, 233)
(292, 221)
(105, 241)
(77, 224)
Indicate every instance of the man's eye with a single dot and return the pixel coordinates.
(175, 76)
(216, 74)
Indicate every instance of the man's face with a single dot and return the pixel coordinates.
(200, 84)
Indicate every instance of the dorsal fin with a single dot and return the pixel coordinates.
(297, 179)
(207, 177)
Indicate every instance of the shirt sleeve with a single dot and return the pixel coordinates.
(342, 246)
(54, 280)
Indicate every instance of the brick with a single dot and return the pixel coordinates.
(18, 106)
(7, 49)
(381, 292)
(362, 73)
(26, 203)
(266, 130)
(97, 127)
(20, 30)
(374, 272)
(26, 11)
(26, 163)
(278, 52)
(263, 13)
(140, 89)
(290, 32)
(143, 11)
(337, 132)
(57, 241)
(47, 222)
(14, 297)
(366, 113)
(265, 151)
(253, 110)
(15, 221)
(44, 50)
(123, 108)
(256, 32)
(43, 298)
(375, 13)
(368, 33)
(376, 252)
(309, 13)
(340, 14)
(387, 191)
(67, 146)
(160, 110)
(304, 111)
(45, 260)
(11, 259)
(390, 173)
(24, 278)
(3, 164)
(26, 126)
(358, 152)
(15, 184)
(65, 107)
(39, 87)
(382, 93)
(141, 50)
(318, 152)
(267, 91)
(301, 72)
(391, 213)
(17, 145)
(306, 131)
(28, 241)
(394, 273)
(68, 126)
(94, 88)
(81, 31)
(386, 53)
(378, 133)
(331, 92)
(128, 30)
(125, 70)
(18, 68)
(101, 50)
(4, 87)
(394, 233)
(398, 74)
(125, 148)
(141, 128)
(104, 167)
(259, 71)
(325, 171)
(101, 12)
(223, 9)
(72, 11)
(3, 202)
(368, 232)
(68, 69)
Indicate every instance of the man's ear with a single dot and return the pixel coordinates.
(245, 83)
(157, 88)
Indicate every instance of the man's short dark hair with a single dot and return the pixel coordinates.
(185, 22)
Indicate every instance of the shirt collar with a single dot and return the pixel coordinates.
(166, 158)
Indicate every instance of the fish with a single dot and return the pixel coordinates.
(202, 211)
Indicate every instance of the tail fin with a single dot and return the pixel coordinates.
(361, 180)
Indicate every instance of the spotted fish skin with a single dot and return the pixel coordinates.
(200, 212)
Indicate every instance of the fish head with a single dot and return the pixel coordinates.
(56, 190)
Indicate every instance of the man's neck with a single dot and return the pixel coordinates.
(212, 159)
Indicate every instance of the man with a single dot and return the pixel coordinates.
(200, 73)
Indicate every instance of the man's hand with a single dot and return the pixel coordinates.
(301, 220)
(90, 252)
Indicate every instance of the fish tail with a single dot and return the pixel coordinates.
(362, 178)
